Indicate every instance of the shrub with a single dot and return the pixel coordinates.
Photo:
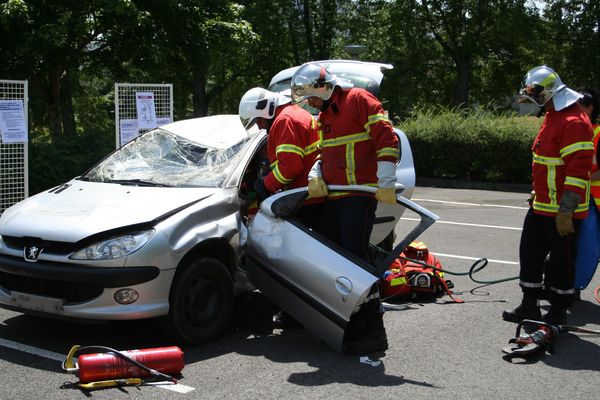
(55, 162)
(471, 145)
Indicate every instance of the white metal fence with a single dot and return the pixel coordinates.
(140, 107)
(14, 175)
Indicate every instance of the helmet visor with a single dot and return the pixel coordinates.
(536, 93)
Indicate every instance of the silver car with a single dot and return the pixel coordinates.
(166, 226)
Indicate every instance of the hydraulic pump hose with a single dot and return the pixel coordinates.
(475, 267)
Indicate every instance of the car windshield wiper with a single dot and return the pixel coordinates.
(137, 182)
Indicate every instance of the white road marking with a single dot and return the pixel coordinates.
(476, 258)
(467, 224)
(177, 387)
(458, 203)
(32, 350)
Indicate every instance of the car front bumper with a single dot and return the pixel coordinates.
(80, 291)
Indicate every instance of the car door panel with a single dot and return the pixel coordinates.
(312, 279)
(316, 285)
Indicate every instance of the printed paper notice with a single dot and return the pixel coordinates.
(13, 126)
(163, 121)
(128, 130)
(146, 113)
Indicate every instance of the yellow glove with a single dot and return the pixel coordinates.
(564, 223)
(386, 195)
(317, 187)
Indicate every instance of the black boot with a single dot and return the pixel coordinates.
(374, 341)
(556, 316)
(529, 309)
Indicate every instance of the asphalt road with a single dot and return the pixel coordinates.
(437, 349)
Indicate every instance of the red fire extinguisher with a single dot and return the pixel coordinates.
(113, 367)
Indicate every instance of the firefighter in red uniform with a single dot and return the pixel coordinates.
(291, 146)
(589, 104)
(358, 147)
(562, 158)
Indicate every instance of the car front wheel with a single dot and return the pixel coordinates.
(200, 302)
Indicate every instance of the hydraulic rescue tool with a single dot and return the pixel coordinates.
(113, 368)
(539, 339)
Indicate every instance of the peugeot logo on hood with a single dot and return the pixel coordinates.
(31, 253)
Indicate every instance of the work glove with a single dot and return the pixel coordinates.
(386, 195)
(564, 217)
(317, 187)
(386, 182)
(564, 223)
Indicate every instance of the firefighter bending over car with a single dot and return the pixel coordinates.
(358, 147)
(291, 147)
(562, 158)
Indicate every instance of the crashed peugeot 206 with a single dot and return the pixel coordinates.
(167, 227)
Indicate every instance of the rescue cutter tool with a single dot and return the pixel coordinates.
(540, 338)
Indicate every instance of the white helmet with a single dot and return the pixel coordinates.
(260, 103)
(542, 84)
(312, 80)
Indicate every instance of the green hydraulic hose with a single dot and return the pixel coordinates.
(475, 267)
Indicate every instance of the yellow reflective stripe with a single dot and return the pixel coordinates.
(398, 281)
(282, 179)
(311, 148)
(274, 164)
(388, 152)
(551, 183)
(289, 148)
(344, 140)
(596, 131)
(595, 183)
(350, 165)
(373, 119)
(580, 183)
(545, 206)
(547, 160)
(572, 148)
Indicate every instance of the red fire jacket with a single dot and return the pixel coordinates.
(291, 148)
(355, 135)
(562, 158)
(595, 184)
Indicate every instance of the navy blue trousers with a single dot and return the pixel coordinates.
(348, 221)
(555, 275)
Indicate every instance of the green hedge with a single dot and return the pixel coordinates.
(54, 162)
(471, 145)
(446, 143)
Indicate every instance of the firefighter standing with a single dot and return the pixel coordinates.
(358, 147)
(562, 157)
(291, 145)
(589, 103)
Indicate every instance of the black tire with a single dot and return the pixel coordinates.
(200, 303)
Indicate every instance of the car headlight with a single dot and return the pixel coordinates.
(116, 247)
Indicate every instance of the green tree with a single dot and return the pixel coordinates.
(467, 34)
(50, 41)
(208, 35)
(572, 41)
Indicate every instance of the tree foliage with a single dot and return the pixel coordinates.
(444, 52)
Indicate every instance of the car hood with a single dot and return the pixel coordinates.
(79, 209)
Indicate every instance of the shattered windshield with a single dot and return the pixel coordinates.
(160, 158)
